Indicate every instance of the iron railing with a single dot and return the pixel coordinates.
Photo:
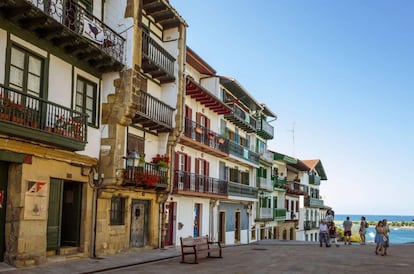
(39, 114)
(82, 22)
(187, 181)
(157, 54)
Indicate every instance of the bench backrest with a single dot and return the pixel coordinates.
(199, 242)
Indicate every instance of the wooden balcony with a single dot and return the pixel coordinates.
(265, 183)
(314, 179)
(313, 202)
(192, 184)
(243, 153)
(264, 214)
(279, 214)
(296, 188)
(29, 117)
(241, 118)
(240, 190)
(279, 183)
(309, 225)
(204, 139)
(156, 61)
(66, 25)
(264, 129)
(205, 97)
(152, 113)
(147, 176)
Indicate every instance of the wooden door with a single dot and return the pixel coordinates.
(170, 223)
(139, 223)
(54, 214)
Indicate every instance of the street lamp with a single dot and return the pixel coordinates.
(132, 161)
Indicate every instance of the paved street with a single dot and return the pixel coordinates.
(268, 256)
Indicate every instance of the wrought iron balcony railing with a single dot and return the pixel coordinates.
(196, 183)
(147, 176)
(241, 118)
(152, 113)
(264, 129)
(206, 137)
(243, 152)
(240, 190)
(156, 60)
(34, 118)
(69, 26)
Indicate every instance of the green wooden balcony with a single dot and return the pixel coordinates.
(314, 179)
(279, 214)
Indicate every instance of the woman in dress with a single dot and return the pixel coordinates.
(363, 230)
(379, 238)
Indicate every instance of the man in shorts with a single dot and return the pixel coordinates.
(347, 231)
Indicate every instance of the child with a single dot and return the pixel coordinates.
(332, 233)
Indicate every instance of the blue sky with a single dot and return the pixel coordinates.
(340, 73)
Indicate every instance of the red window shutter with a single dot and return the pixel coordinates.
(207, 168)
(198, 117)
(188, 163)
(176, 160)
(197, 166)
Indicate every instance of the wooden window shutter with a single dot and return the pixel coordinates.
(176, 160)
(188, 112)
(187, 163)
(197, 166)
(198, 117)
(207, 168)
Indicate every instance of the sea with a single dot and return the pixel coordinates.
(398, 235)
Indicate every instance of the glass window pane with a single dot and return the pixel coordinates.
(89, 90)
(33, 84)
(16, 77)
(79, 86)
(35, 65)
(89, 103)
(17, 58)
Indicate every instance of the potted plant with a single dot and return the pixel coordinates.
(4, 108)
(161, 161)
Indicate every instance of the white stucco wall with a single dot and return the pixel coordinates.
(3, 45)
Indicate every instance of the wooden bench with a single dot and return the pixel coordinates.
(196, 245)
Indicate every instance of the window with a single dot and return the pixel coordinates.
(117, 211)
(135, 143)
(86, 99)
(26, 72)
(87, 4)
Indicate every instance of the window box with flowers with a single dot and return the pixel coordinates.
(161, 161)
(61, 123)
(142, 178)
(5, 106)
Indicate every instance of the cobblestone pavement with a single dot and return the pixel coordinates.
(267, 256)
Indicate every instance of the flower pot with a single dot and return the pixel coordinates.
(198, 130)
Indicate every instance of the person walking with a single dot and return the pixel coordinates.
(324, 234)
(347, 224)
(379, 238)
(386, 237)
(333, 234)
(363, 230)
